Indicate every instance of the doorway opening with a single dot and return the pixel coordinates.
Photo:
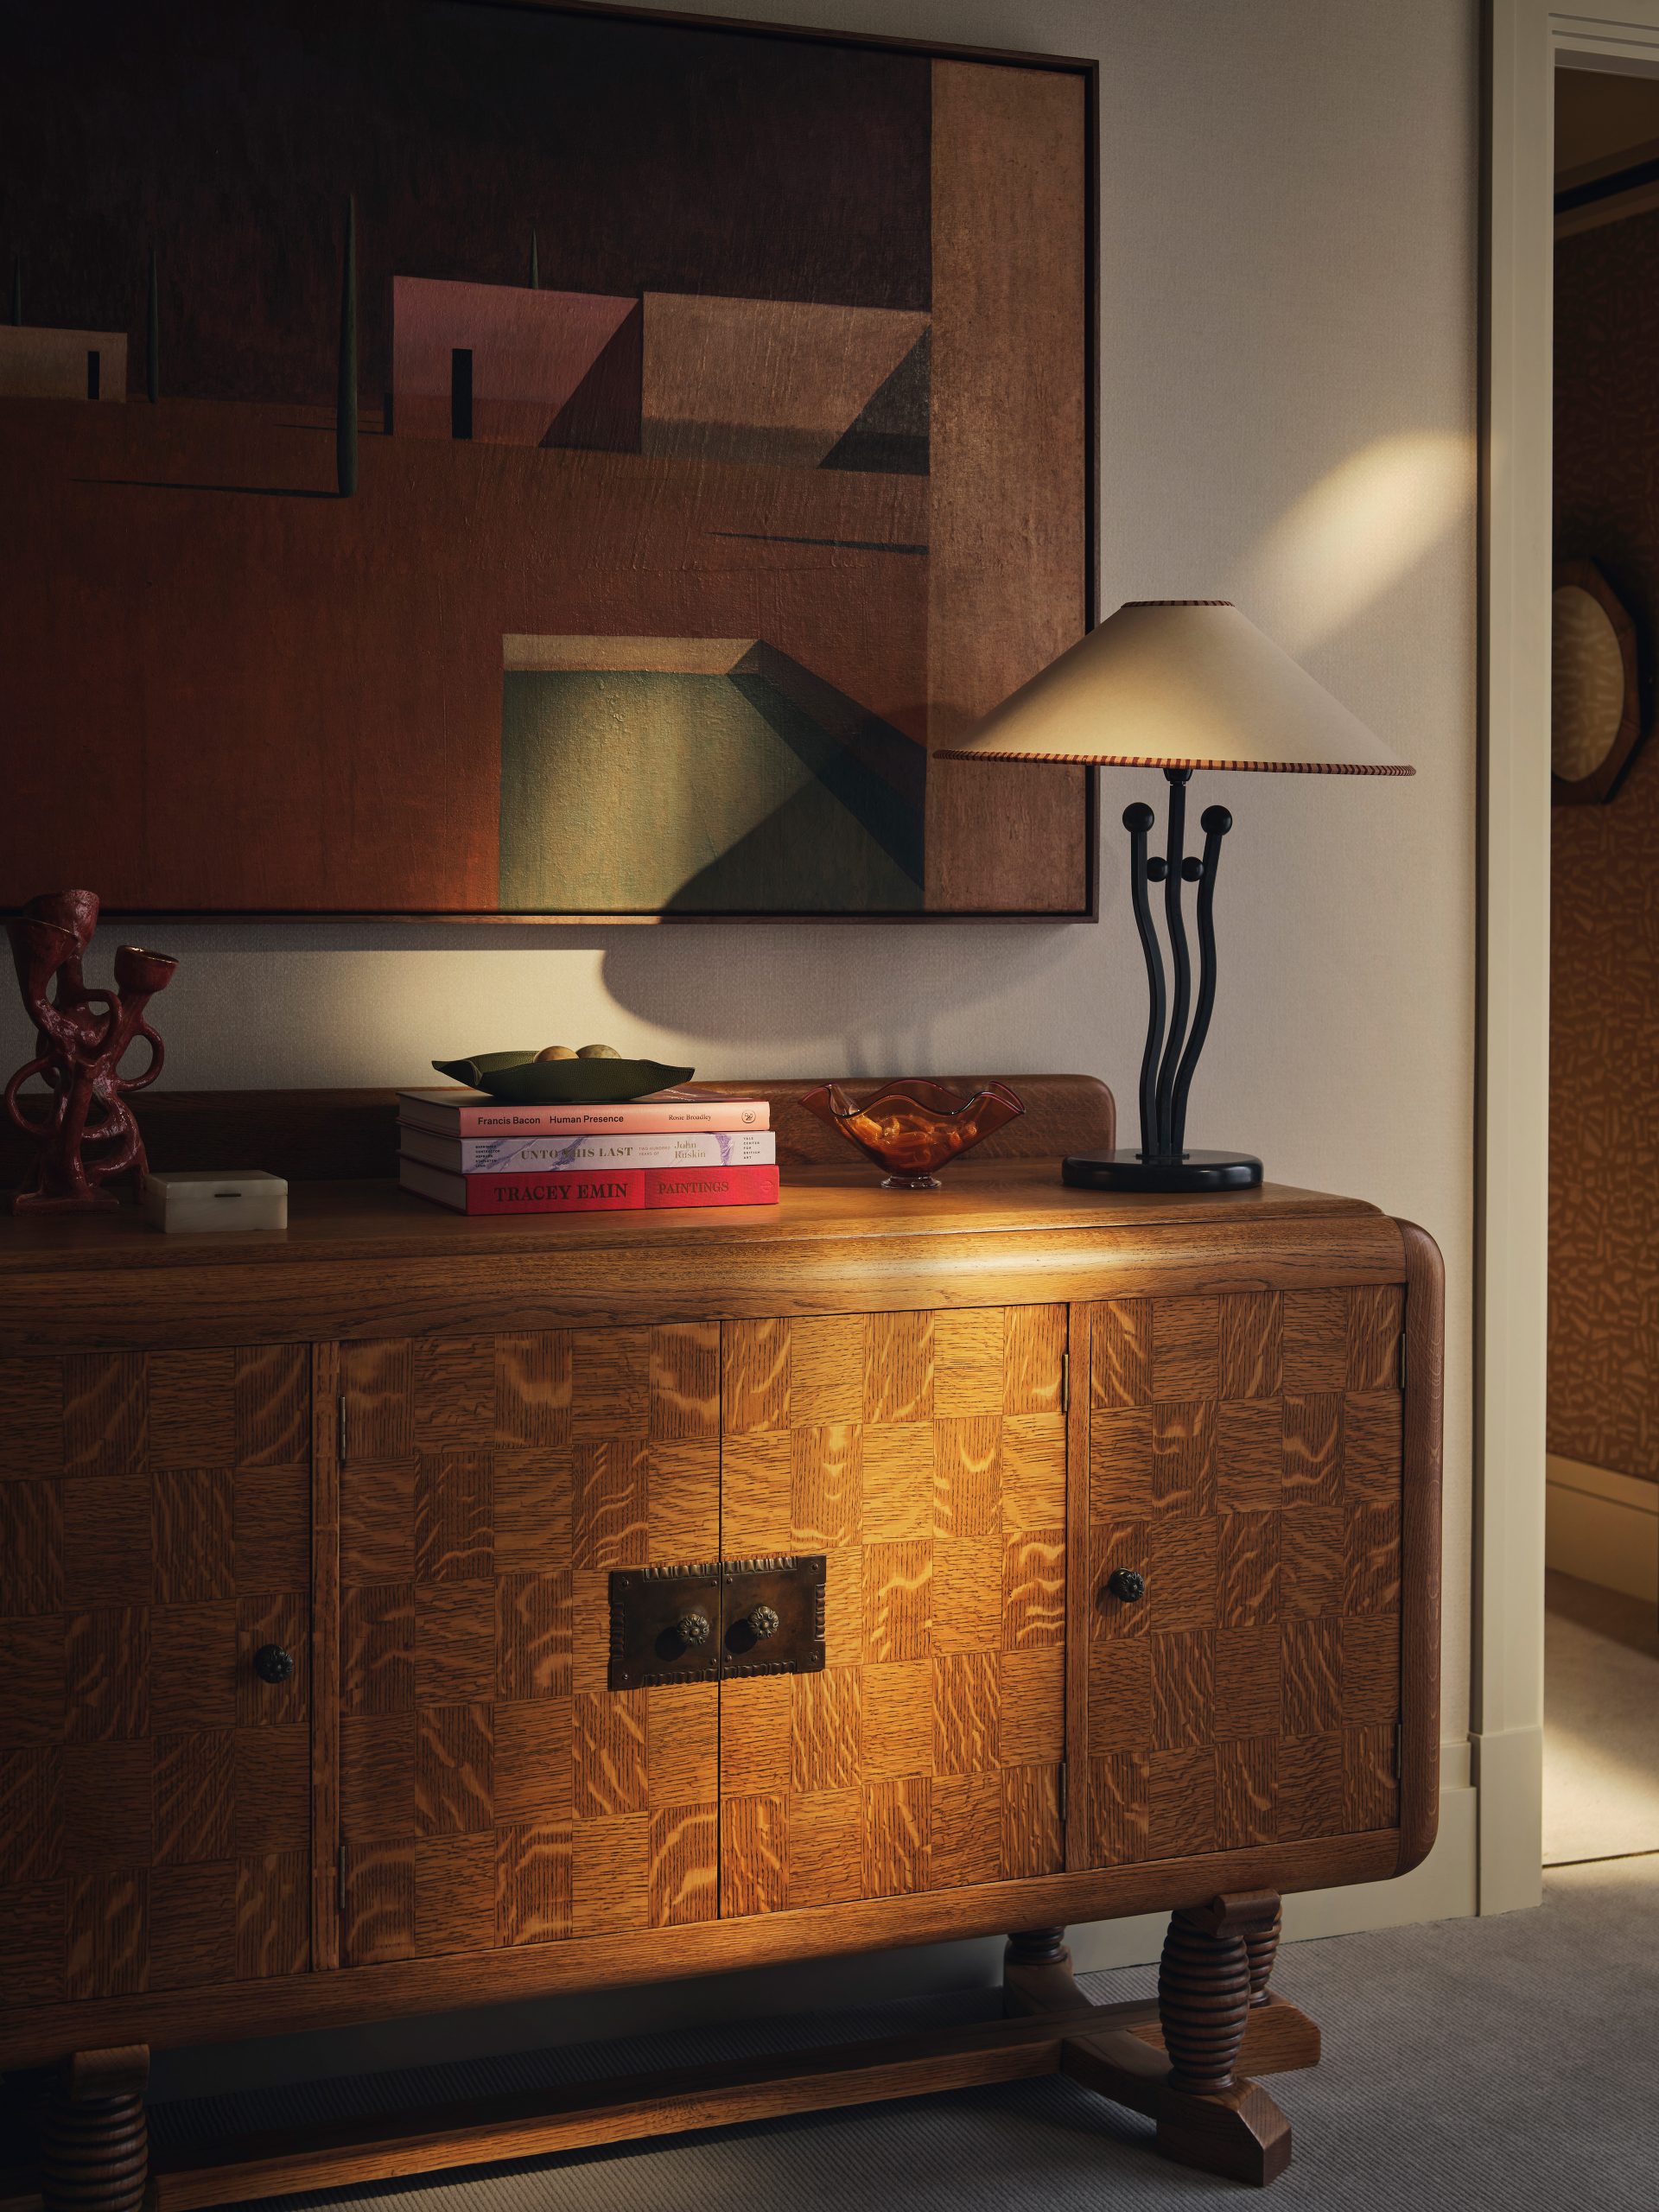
(1601, 1646)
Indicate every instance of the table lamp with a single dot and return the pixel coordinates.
(1176, 684)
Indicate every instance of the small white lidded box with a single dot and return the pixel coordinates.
(194, 1199)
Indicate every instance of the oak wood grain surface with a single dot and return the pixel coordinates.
(456, 1982)
(368, 1259)
(154, 1791)
(527, 1404)
(1279, 2038)
(325, 1655)
(494, 1790)
(379, 1220)
(540, 2122)
(924, 1454)
(1245, 1458)
(1420, 1546)
(1237, 2132)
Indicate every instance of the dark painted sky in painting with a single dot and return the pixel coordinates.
(228, 132)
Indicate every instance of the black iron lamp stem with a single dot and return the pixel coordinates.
(1175, 926)
(1170, 1058)
(1172, 1047)
(1215, 822)
(1138, 820)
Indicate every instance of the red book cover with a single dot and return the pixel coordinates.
(710, 1186)
(602, 1191)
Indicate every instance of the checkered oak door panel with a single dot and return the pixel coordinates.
(493, 1791)
(155, 1793)
(1245, 1457)
(924, 1455)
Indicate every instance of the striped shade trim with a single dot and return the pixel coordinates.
(1173, 760)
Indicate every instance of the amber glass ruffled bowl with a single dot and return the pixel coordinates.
(912, 1127)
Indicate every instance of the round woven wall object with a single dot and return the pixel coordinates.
(1595, 717)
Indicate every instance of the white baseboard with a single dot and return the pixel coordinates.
(1442, 1888)
(1602, 1527)
(1508, 1777)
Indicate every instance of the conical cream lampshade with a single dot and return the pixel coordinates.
(1179, 684)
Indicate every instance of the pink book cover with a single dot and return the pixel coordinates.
(459, 1113)
(618, 1191)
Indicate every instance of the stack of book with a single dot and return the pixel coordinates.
(476, 1154)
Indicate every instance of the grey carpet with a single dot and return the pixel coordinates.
(1507, 2063)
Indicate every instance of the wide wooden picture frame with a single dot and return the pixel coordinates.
(571, 463)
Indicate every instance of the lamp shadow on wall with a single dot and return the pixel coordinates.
(891, 997)
(878, 996)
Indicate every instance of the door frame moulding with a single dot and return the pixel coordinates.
(1526, 40)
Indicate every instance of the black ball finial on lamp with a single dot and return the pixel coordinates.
(1176, 684)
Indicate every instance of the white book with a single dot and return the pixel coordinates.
(550, 1154)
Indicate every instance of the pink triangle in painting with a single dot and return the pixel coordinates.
(527, 351)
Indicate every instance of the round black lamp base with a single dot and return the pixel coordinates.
(1132, 1171)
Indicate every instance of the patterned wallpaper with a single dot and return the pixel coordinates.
(1603, 1196)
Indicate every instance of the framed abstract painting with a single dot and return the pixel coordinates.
(510, 461)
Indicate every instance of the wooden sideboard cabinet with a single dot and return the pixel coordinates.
(1057, 1555)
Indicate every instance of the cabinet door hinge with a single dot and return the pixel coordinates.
(1065, 1382)
(1065, 1794)
(342, 1423)
(339, 1879)
(1403, 1362)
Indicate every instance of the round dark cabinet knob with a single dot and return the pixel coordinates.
(272, 1664)
(763, 1622)
(692, 1628)
(1127, 1583)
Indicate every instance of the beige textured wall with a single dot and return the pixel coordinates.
(1288, 288)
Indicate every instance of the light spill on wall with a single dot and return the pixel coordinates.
(1357, 532)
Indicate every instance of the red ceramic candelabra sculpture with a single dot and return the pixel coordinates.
(81, 1038)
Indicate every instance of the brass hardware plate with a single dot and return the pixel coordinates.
(793, 1588)
(648, 1604)
(646, 1646)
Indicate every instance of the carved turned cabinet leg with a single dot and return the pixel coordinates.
(1208, 2118)
(94, 2146)
(1204, 1999)
(1031, 1946)
(1262, 1949)
(1037, 1974)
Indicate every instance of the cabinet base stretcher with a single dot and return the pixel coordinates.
(1175, 2058)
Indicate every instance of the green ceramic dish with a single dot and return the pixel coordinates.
(523, 1080)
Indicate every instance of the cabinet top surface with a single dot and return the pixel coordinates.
(378, 1220)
